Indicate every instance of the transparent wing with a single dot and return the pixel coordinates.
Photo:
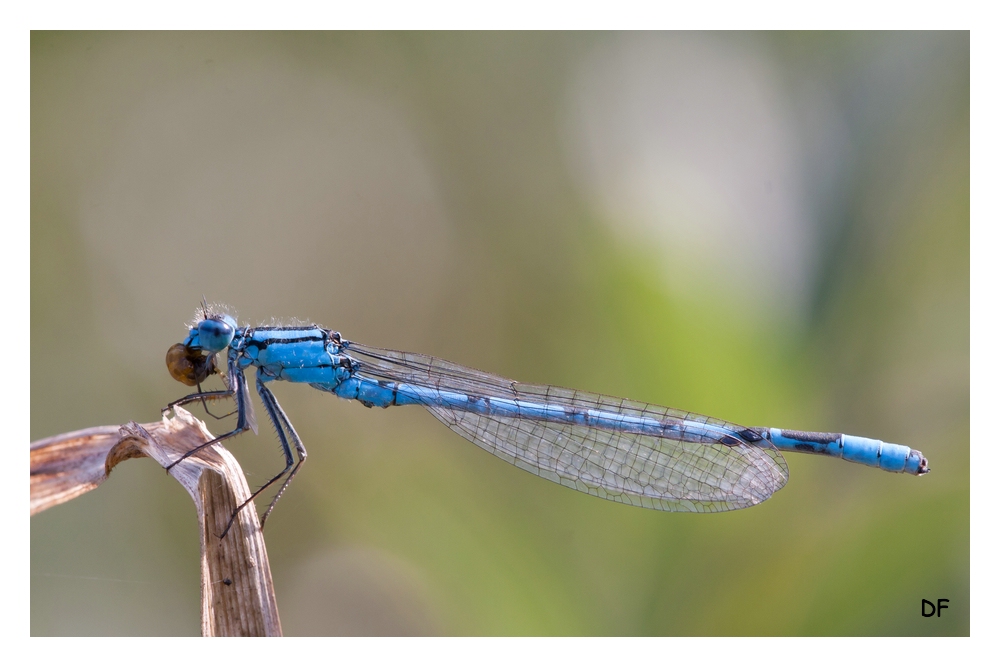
(688, 471)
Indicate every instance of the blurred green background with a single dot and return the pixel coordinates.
(767, 228)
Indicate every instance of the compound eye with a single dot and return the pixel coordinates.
(215, 335)
(189, 366)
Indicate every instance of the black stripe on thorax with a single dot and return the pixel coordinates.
(319, 337)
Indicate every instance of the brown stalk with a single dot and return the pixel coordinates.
(237, 594)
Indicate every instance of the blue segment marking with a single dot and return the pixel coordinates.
(866, 451)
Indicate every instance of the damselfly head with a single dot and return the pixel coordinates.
(213, 334)
(193, 360)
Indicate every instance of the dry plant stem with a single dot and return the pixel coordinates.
(237, 595)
